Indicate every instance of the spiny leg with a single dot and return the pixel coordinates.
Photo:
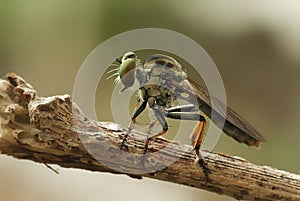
(187, 112)
(151, 125)
(153, 121)
(197, 139)
(139, 108)
(163, 122)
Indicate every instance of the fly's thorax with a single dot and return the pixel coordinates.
(158, 75)
(154, 76)
(157, 95)
(162, 60)
(143, 75)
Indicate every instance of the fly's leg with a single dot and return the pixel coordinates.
(163, 122)
(139, 108)
(183, 108)
(197, 138)
(151, 125)
(187, 112)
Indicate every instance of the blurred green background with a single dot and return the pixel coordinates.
(254, 44)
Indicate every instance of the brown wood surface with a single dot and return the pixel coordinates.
(53, 131)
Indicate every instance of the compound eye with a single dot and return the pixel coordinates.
(127, 72)
(131, 56)
(128, 55)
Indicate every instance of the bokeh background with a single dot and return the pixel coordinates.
(254, 44)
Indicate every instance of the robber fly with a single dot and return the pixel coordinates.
(163, 81)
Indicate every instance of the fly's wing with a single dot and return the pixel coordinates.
(234, 125)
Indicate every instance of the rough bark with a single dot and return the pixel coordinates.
(54, 131)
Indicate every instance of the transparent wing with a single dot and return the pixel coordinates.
(235, 126)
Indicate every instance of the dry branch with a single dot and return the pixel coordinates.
(47, 130)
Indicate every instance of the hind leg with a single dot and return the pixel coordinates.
(187, 112)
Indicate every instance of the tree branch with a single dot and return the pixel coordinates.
(53, 130)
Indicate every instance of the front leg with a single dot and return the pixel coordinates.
(139, 108)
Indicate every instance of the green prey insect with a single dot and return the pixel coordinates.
(161, 82)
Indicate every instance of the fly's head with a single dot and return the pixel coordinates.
(126, 70)
(155, 70)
